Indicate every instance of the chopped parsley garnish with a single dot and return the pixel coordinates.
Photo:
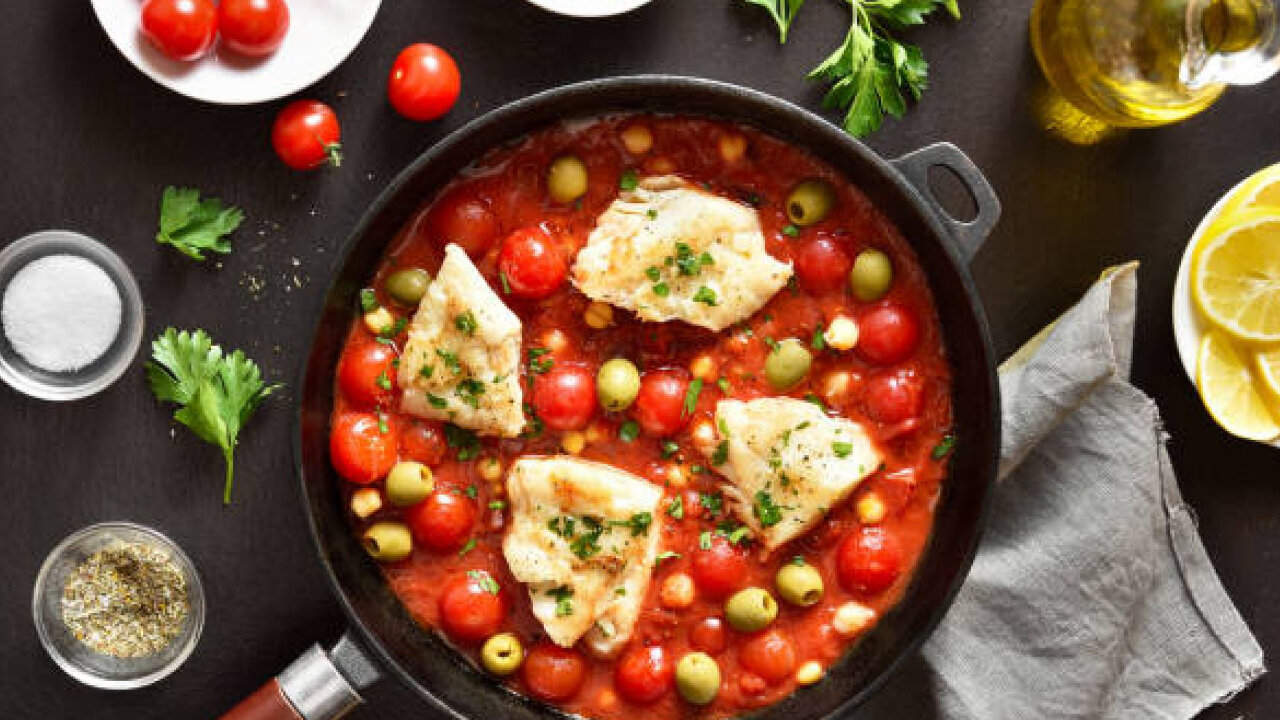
(670, 448)
(653, 273)
(688, 263)
(810, 397)
(485, 581)
(629, 180)
(652, 213)
(437, 402)
(706, 296)
(383, 426)
(450, 360)
(661, 289)
(765, 510)
(506, 284)
(466, 323)
(588, 543)
(819, 342)
(471, 545)
(638, 523)
(676, 508)
(427, 371)
(471, 492)
(713, 503)
(537, 363)
(773, 344)
(393, 329)
(691, 396)
(842, 449)
(564, 600)
(734, 533)
(368, 300)
(721, 454)
(944, 447)
(629, 431)
(535, 426)
(791, 230)
(723, 384)
(497, 504)
(462, 440)
(666, 555)
(470, 390)
(382, 380)
(562, 526)
(798, 560)
(704, 540)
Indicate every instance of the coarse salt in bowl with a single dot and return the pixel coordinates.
(71, 316)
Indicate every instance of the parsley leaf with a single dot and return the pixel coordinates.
(842, 449)
(485, 581)
(944, 447)
(564, 600)
(464, 441)
(721, 454)
(676, 508)
(466, 323)
(218, 392)
(368, 300)
(691, 396)
(629, 180)
(783, 12)
(706, 296)
(629, 431)
(765, 510)
(194, 226)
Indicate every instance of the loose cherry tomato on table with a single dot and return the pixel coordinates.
(888, 334)
(720, 569)
(822, 265)
(255, 28)
(472, 606)
(423, 441)
(366, 374)
(770, 654)
(553, 673)
(868, 559)
(456, 218)
(894, 396)
(644, 674)
(359, 447)
(565, 397)
(443, 521)
(532, 263)
(424, 82)
(181, 29)
(306, 135)
(659, 406)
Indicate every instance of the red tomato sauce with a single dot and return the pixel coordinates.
(504, 192)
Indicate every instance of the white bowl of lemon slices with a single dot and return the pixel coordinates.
(1226, 309)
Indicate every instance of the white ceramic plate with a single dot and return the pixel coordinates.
(589, 8)
(1188, 327)
(322, 33)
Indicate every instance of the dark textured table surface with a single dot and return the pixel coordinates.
(88, 143)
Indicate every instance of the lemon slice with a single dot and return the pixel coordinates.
(1262, 189)
(1267, 364)
(1235, 276)
(1227, 387)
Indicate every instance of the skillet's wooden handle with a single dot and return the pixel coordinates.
(266, 703)
(311, 688)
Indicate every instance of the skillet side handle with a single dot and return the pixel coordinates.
(311, 688)
(968, 236)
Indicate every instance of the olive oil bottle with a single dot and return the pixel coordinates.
(1143, 63)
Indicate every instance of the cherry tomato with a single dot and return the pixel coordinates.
(643, 675)
(424, 82)
(869, 560)
(659, 407)
(894, 396)
(565, 397)
(770, 654)
(181, 29)
(457, 218)
(532, 263)
(822, 265)
(359, 448)
(443, 521)
(253, 27)
(306, 135)
(366, 375)
(553, 673)
(424, 442)
(720, 569)
(470, 610)
(888, 334)
(709, 636)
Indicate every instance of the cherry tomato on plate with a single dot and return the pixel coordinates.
(770, 654)
(659, 406)
(424, 82)
(366, 374)
(359, 448)
(709, 636)
(553, 673)
(306, 135)
(888, 334)
(720, 569)
(894, 396)
(443, 521)
(822, 265)
(423, 441)
(456, 218)
(565, 397)
(255, 28)
(869, 560)
(644, 674)
(181, 29)
(470, 609)
(532, 263)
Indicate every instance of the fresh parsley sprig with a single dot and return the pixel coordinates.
(218, 392)
(194, 226)
(871, 73)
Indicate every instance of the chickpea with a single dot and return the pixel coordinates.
(378, 320)
(676, 476)
(573, 442)
(703, 368)
(852, 618)
(809, 673)
(365, 502)
(871, 509)
(598, 315)
(567, 179)
(490, 468)
(661, 166)
(677, 591)
(841, 334)
(835, 386)
(554, 340)
(732, 147)
(637, 139)
(704, 436)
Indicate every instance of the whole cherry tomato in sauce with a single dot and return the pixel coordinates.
(181, 29)
(644, 674)
(360, 449)
(869, 560)
(532, 263)
(720, 569)
(709, 635)
(253, 27)
(822, 265)
(659, 407)
(888, 334)
(424, 442)
(565, 397)
(894, 396)
(366, 374)
(472, 606)
(464, 220)
(444, 520)
(306, 135)
(553, 673)
(424, 82)
(770, 654)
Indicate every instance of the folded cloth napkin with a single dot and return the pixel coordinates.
(1091, 595)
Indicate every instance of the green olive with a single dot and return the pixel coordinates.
(871, 276)
(799, 584)
(750, 610)
(409, 483)
(810, 202)
(617, 384)
(567, 179)
(502, 654)
(787, 364)
(407, 286)
(697, 678)
(388, 541)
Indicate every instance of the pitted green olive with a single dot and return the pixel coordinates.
(799, 584)
(697, 678)
(810, 202)
(387, 541)
(409, 483)
(787, 364)
(567, 179)
(617, 384)
(871, 276)
(502, 654)
(407, 286)
(751, 610)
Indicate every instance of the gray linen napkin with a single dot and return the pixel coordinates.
(1091, 595)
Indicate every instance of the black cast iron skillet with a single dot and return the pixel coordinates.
(383, 637)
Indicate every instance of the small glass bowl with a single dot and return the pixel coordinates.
(79, 660)
(99, 374)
